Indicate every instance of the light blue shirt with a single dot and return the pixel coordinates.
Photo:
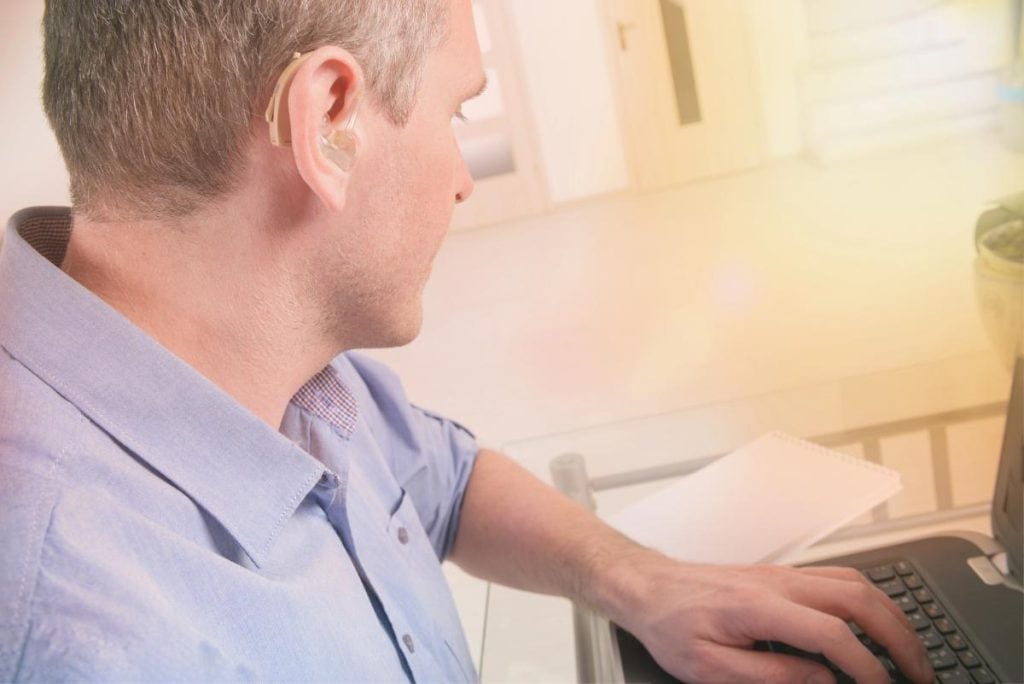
(151, 528)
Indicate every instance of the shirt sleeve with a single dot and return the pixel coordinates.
(430, 456)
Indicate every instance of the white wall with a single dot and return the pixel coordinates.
(777, 35)
(31, 168)
(567, 75)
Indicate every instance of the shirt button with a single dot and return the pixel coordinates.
(403, 535)
(407, 640)
(329, 480)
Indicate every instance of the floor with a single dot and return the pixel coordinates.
(635, 305)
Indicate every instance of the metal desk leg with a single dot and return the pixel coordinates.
(597, 653)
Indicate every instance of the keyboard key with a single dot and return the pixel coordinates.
(923, 596)
(944, 625)
(919, 620)
(870, 644)
(930, 639)
(969, 659)
(957, 676)
(956, 642)
(903, 568)
(906, 602)
(981, 675)
(942, 658)
(881, 573)
(934, 610)
(912, 581)
(893, 588)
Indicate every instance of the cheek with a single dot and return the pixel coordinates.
(428, 171)
(432, 163)
(406, 197)
(403, 193)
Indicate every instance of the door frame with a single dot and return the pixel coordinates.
(522, 192)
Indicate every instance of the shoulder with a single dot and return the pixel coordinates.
(430, 456)
(38, 429)
(27, 501)
(379, 389)
(370, 379)
(379, 395)
(38, 426)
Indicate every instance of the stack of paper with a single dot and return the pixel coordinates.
(770, 498)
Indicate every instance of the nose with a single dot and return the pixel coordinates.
(463, 183)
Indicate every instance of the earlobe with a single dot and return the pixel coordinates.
(311, 88)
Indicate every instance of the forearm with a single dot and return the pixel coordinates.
(517, 531)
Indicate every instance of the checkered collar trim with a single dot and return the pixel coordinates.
(327, 398)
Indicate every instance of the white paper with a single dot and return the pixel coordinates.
(773, 497)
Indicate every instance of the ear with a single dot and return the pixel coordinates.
(329, 83)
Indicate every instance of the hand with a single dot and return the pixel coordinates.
(700, 622)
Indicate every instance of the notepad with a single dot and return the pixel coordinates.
(768, 499)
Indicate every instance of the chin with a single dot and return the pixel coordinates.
(406, 336)
(400, 330)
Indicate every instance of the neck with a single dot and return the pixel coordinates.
(226, 303)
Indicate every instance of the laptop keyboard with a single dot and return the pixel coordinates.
(954, 659)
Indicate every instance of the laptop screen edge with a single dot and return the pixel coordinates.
(1008, 498)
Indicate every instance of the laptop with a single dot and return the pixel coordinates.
(961, 591)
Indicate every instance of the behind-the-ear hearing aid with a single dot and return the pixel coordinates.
(338, 145)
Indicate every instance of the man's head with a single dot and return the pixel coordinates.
(158, 108)
(158, 96)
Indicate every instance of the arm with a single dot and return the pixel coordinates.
(698, 621)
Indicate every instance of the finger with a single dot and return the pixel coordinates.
(727, 664)
(869, 608)
(856, 582)
(778, 619)
(852, 575)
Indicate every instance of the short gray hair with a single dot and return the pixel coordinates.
(152, 101)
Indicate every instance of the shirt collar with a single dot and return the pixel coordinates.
(248, 476)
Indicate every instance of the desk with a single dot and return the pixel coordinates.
(948, 470)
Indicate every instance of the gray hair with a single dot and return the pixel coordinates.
(152, 101)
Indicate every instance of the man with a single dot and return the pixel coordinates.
(197, 481)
